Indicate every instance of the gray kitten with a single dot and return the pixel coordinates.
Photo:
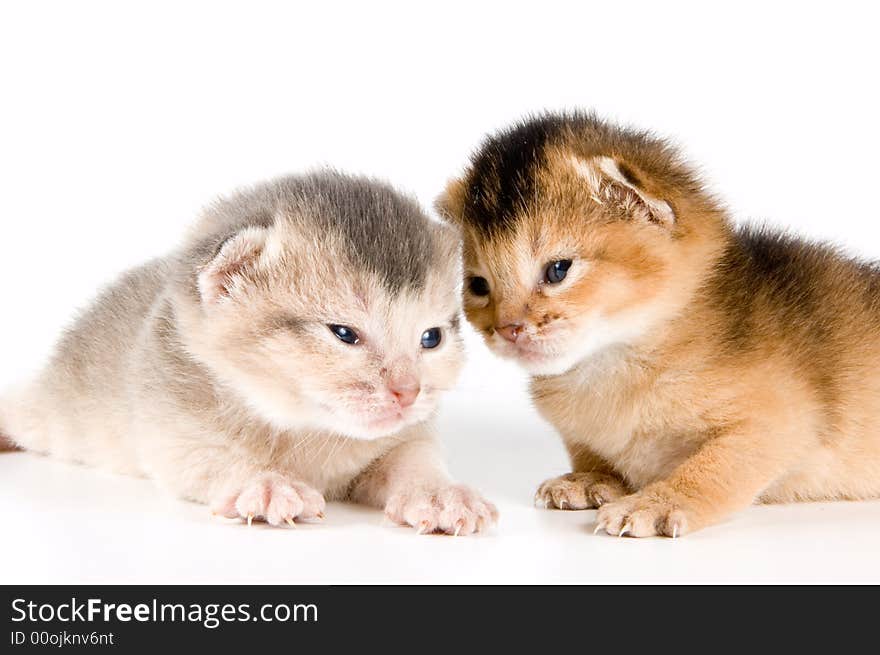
(292, 350)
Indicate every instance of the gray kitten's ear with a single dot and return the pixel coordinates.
(614, 183)
(450, 204)
(237, 255)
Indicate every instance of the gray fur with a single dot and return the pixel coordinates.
(380, 229)
(213, 372)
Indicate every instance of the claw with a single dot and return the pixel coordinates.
(290, 522)
(250, 519)
(423, 527)
(625, 529)
(320, 515)
(562, 504)
(458, 526)
(674, 530)
(599, 526)
(599, 500)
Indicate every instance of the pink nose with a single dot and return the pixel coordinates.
(405, 395)
(510, 332)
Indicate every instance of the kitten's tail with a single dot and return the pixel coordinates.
(9, 426)
(6, 442)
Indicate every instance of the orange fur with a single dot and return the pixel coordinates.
(699, 367)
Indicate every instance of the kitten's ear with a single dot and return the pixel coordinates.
(611, 182)
(238, 254)
(450, 204)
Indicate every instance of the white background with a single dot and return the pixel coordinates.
(117, 123)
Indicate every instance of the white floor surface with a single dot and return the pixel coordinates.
(69, 524)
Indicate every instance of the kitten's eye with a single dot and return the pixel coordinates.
(431, 338)
(557, 271)
(479, 286)
(345, 334)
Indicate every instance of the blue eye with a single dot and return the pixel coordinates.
(431, 338)
(557, 271)
(344, 334)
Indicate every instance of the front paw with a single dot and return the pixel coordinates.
(579, 491)
(272, 498)
(455, 509)
(644, 514)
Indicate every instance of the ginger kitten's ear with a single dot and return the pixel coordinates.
(239, 252)
(450, 204)
(614, 183)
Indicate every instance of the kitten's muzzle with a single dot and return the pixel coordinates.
(511, 332)
(519, 342)
(405, 392)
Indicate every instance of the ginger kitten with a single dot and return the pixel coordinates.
(690, 367)
(292, 350)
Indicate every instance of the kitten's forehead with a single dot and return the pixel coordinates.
(507, 254)
(376, 229)
(319, 275)
(326, 278)
(327, 215)
(516, 172)
(501, 181)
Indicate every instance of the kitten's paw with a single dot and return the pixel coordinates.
(642, 515)
(579, 491)
(456, 510)
(272, 498)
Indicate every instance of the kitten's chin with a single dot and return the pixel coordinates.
(369, 427)
(594, 336)
(539, 364)
(284, 415)
(535, 362)
(549, 366)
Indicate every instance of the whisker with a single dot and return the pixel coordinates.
(320, 449)
(339, 440)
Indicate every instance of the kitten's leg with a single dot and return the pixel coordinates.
(726, 474)
(234, 480)
(271, 497)
(591, 483)
(411, 484)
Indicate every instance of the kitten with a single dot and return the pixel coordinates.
(292, 350)
(690, 367)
